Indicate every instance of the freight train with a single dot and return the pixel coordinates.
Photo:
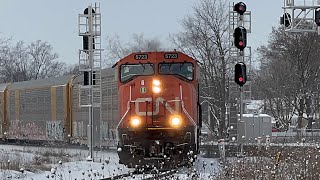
(150, 109)
(47, 110)
(159, 110)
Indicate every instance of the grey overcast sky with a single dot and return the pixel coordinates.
(55, 21)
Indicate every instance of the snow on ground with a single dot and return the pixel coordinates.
(67, 171)
(204, 169)
(40, 163)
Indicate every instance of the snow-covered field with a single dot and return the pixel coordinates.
(24, 162)
(40, 163)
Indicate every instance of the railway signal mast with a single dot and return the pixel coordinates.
(90, 65)
(240, 71)
(240, 41)
(239, 26)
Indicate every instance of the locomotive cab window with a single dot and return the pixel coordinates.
(129, 71)
(183, 69)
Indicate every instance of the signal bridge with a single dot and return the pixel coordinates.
(301, 16)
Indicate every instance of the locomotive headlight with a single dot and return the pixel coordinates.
(156, 82)
(156, 89)
(156, 86)
(175, 121)
(135, 122)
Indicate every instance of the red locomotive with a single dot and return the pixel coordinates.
(159, 110)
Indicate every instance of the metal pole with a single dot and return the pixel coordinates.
(209, 120)
(90, 138)
(241, 88)
(111, 120)
(253, 135)
(241, 109)
(241, 102)
(241, 112)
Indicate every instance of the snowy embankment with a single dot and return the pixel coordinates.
(40, 163)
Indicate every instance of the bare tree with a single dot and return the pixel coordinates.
(289, 74)
(15, 67)
(116, 49)
(72, 69)
(22, 62)
(205, 37)
(42, 61)
(4, 56)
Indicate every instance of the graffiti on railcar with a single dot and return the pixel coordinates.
(20, 130)
(78, 129)
(54, 130)
(104, 130)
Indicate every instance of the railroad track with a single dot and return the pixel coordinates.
(145, 176)
(53, 144)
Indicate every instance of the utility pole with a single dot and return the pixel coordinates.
(90, 65)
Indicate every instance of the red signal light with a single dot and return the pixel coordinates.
(240, 43)
(240, 73)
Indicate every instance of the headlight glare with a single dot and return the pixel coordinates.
(135, 122)
(156, 82)
(156, 89)
(175, 121)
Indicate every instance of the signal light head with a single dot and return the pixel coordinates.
(240, 8)
(317, 17)
(240, 37)
(240, 74)
(286, 19)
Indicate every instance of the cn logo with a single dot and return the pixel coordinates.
(172, 110)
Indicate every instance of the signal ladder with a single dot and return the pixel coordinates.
(90, 57)
(233, 23)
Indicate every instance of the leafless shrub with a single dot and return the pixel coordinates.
(282, 163)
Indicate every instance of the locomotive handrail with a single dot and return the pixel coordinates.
(128, 108)
(125, 114)
(190, 118)
(184, 109)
